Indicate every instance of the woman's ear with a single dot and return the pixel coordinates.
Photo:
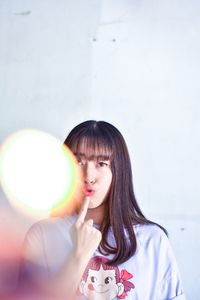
(120, 288)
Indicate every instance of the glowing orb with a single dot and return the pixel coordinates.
(37, 172)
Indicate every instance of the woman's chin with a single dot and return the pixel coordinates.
(93, 204)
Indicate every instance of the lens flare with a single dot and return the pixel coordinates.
(38, 174)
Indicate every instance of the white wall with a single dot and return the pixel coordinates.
(133, 63)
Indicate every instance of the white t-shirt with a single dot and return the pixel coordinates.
(151, 274)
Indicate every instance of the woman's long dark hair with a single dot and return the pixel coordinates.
(122, 210)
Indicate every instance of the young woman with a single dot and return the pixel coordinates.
(108, 249)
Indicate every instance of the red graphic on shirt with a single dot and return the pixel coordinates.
(101, 281)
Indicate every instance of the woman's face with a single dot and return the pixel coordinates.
(97, 175)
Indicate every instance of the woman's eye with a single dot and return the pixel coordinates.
(79, 161)
(102, 164)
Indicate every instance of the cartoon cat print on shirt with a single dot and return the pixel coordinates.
(104, 282)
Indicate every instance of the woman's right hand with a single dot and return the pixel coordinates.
(88, 237)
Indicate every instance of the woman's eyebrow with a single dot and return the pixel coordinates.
(92, 157)
(79, 154)
(102, 157)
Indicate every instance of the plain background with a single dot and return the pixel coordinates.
(134, 63)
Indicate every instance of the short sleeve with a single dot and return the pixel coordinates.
(34, 264)
(170, 279)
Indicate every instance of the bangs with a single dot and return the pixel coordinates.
(92, 146)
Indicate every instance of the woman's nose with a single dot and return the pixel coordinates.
(89, 181)
(89, 176)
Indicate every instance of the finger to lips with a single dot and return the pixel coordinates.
(83, 211)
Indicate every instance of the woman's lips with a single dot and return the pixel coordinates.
(89, 192)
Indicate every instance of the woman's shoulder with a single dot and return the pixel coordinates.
(51, 225)
(150, 234)
(149, 229)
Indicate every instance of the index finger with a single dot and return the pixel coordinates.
(83, 210)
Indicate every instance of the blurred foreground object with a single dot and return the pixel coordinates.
(38, 174)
